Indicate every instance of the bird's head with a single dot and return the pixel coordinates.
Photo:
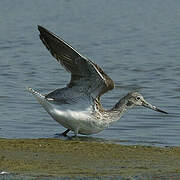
(136, 99)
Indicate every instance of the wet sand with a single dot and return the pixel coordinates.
(55, 158)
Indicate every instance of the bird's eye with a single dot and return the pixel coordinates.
(138, 98)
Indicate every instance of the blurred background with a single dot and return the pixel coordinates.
(137, 43)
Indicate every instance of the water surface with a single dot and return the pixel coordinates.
(137, 43)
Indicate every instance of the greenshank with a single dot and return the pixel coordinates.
(77, 106)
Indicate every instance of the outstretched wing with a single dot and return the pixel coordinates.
(86, 76)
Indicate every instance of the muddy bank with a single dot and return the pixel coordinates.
(72, 158)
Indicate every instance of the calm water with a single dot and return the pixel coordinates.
(137, 43)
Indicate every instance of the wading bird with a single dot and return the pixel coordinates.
(77, 106)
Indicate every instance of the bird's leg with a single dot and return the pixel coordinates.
(75, 132)
(65, 132)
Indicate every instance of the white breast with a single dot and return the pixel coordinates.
(78, 120)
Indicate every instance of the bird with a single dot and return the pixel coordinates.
(77, 106)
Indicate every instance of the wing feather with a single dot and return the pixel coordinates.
(86, 76)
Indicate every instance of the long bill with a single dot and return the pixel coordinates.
(148, 105)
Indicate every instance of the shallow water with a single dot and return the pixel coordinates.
(137, 43)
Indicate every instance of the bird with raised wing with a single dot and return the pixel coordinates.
(77, 106)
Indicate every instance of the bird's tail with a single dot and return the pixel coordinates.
(41, 99)
(36, 94)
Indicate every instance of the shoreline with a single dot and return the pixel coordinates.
(73, 158)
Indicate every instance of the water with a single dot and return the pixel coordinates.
(137, 43)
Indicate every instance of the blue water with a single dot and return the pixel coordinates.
(137, 43)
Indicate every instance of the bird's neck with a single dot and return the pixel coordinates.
(121, 105)
(116, 112)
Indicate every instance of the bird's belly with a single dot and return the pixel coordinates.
(80, 121)
(88, 131)
(91, 127)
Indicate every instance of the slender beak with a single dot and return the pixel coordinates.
(148, 105)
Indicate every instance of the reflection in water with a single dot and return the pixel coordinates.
(81, 138)
(103, 140)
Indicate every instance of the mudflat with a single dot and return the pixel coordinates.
(57, 158)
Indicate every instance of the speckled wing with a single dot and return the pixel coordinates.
(86, 76)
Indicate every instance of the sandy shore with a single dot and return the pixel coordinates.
(72, 158)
